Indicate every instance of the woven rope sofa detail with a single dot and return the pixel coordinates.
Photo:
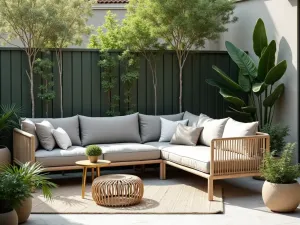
(224, 158)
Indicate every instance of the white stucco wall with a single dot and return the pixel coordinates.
(280, 17)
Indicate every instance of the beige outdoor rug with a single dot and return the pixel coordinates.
(181, 193)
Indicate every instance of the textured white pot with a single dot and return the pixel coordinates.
(281, 197)
(5, 156)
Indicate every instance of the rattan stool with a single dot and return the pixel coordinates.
(117, 190)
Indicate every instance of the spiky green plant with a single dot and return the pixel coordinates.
(33, 175)
(281, 170)
(13, 190)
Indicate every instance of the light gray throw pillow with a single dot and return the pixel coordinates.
(69, 124)
(29, 127)
(168, 128)
(212, 128)
(62, 138)
(193, 119)
(238, 129)
(44, 133)
(150, 126)
(108, 130)
(186, 135)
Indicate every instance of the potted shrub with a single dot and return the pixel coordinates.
(32, 175)
(93, 152)
(13, 191)
(281, 191)
(9, 119)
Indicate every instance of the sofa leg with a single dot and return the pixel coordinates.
(210, 189)
(162, 170)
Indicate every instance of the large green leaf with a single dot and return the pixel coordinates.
(215, 83)
(229, 82)
(244, 61)
(266, 61)
(249, 109)
(272, 98)
(276, 73)
(258, 88)
(244, 82)
(228, 96)
(260, 40)
(238, 115)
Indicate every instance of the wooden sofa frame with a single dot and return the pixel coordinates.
(224, 163)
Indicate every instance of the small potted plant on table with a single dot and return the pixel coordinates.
(13, 191)
(281, 191)
(93, 152)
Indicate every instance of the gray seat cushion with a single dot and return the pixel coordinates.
(69, 124)
(198, 158)
(60, 157)
(159, 145)
(150, 126)
(106, 130)
(123, 152)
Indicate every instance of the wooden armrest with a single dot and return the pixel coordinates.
(238, 154)
(23, 147)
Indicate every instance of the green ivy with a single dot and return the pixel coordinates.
(43, 68)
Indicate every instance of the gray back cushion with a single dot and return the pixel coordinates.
(69, 124)
(150, 126)
(107, 130)
(193, 119)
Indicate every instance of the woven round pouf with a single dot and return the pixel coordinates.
(117, 190)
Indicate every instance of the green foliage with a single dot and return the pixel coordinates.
(108, 37)
(130, 63)
(13, 190)
(68, 26)
(43, 68)
(183, 25)
(255, 81)
(93, 150)
(32, 175)
(281, 170)
(277, 133)
(30, 22)
(9, 119)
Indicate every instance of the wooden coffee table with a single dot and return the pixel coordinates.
(87, 164)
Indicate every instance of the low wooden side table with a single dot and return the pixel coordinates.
(87, 164)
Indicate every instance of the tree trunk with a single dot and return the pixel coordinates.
(155, 99)
(59, 63)
(30, 77)
(180, 88)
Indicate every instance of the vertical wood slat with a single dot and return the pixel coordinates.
(82, 92)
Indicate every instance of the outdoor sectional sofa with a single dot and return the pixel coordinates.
(134, 140)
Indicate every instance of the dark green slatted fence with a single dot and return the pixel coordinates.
(82, 92)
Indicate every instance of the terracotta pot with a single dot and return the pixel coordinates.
(93, 159)
(24, 210)
(5, 156)
(281, 197)
(9, 218)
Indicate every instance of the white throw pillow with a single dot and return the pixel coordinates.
(44, 133)
(212, 128)
(168, 129)
(62, 138)
(186, 135)
(237, 129)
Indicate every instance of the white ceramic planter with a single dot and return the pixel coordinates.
(10, 218)
(5, 156)
(281, 197)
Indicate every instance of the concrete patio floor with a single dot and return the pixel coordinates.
(242, 201)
